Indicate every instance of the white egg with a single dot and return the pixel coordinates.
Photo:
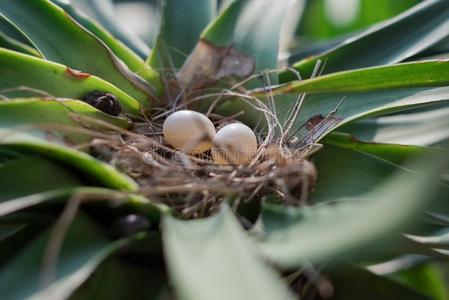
(189, 131)
(235, 143)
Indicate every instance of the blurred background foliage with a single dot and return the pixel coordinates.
(322, 19)
(325, 19)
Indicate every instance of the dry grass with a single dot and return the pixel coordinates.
(194, 186)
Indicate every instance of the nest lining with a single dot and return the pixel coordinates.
(194, 186)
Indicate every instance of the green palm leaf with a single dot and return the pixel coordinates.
(179, 31)
(344, 229)
(83, 51)
(84, 248)
(93, 169)
(424, 126)
(386, 43)
(20, 70)
(199, 273)
(367, 206)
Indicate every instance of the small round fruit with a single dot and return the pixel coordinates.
(106, 102)
(130, 224)
(235, 143)
(189, 131)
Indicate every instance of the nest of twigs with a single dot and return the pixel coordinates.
(194, 186)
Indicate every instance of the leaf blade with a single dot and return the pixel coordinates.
(421, 127)
(398, 33)
(82, 50)
(414, 74)
(19, 70)
(192, 248)
(179, 32)
(21, 178)
(132, 60)
(85, 244)
(34, 112)
(322, 232)
(94, 169)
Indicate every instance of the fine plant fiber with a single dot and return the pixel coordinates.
(194, 185)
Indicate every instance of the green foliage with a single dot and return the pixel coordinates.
(386, 43)
(18, 181)
(314, 236)
(240, 25)
(353, 283)
(424, 126)
(205, 256)
(180, 29)
(343, 18)
(427, 278)
(83, 51)
(133, 61)
(93, 169)
(102, 11)
(85, 247)
(432, 73)
(20, 70)
(382, 186)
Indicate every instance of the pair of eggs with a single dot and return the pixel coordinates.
(193, 133)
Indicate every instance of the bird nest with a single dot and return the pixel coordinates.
(194, 186)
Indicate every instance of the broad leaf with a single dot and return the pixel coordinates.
(425, 126)
(60, 194)
(236, 43)
(428, 279)
(81, 50)
(439, 219)
(94, 170)
(136, 281)
(34, 174)
(132, 60)
(341, 98)
(336, 183)
(12, 31)
(33, 224)
(103, 12)
(211, 259)
(416, 74)
(368, 48)
(336, 173)
(53, 194)
(350, 228)
(7, 230)
(351, 282)
(394, 153)
(85, 246)
(321, 114)
(179, 32)
(12, 44)
(17, 114)
(240, 25)
(438, 240)
(20, 71)
(340, 18)
(439, 49)
(311, 50)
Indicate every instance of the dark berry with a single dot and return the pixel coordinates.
(129, 224)
(106, 102)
